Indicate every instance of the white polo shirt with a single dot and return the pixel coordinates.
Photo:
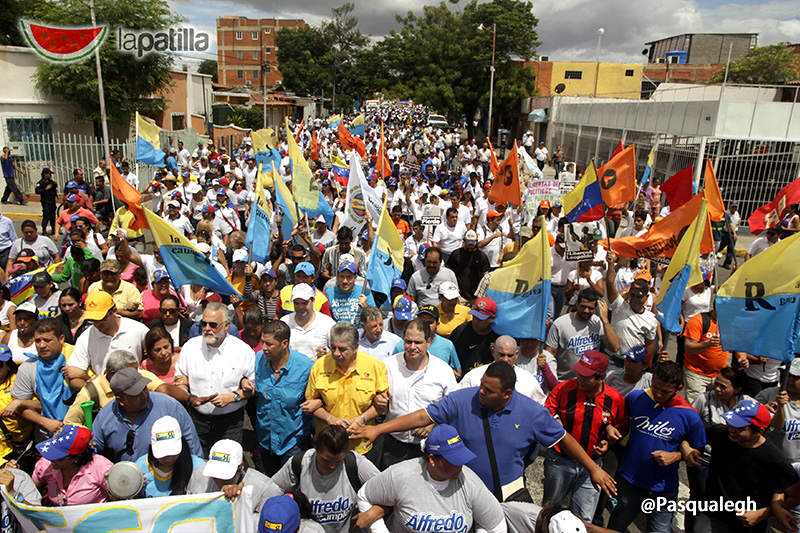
(414, 390)
(92, 346)
(380, 349)
(307, 339)
(216, 370)
(450, 239)
(527, 384)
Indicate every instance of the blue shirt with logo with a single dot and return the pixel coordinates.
(344, 305)
(657, 427)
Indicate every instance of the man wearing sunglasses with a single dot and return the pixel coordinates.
(218, 371)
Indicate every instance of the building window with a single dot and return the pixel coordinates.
(267, 50)
(255, 35)
(629, 72)
(573, 75)
(254, 75)
(36, 133)
(267, 30)
(240, 74)
(239, 54)
(238, 36)
(178, 121)
(255, 54)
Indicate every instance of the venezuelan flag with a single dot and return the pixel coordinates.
(334, 120)
(258, 227)
(285, 200)
(683, 271)
(521, 290)
(386, 259)
(758, 308)
(340, 169)
(21, 287)
(357, 127)
(584, 203)
(148, 142)
(185, 264)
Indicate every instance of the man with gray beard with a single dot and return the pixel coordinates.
(218, 371)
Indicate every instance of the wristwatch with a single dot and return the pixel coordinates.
(236, 396)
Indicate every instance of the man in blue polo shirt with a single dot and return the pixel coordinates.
(280, 389)
(659, 421)
(502, 426)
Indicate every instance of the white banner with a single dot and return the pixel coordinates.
(360, 197)
(200, 513)
(538, 190)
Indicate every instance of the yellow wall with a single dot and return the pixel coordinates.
(612, 80)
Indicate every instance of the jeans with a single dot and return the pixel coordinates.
(271, 463)
(11, 188)
(562, 477)
(629, 505)
(559, 297)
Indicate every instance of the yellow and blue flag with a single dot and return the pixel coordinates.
(259, 231)
(185, 264)
(648, 169)
(758, 308)
(584, 203)
(148, 142)
(521, 290)
(333, 121)
(263, 139)
(386, 259)
(265, 159)
(289, 213)
(683, 271)
(304, 187)
(21, 287)
(323, 208)
(341, 170)
(358, 127)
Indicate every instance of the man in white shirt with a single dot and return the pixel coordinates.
(762, 243)
(505, 349)
(250, 173)
(218, 371)
(375, 340)
(183, 155)
(309, 328)
(177, 220)
(129, 176)
(542, 155)
(415, 380)
(449, 236)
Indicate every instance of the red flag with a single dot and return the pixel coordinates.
(506, 183)
(618, 178)
(494, 168)
(770, 215)
(679, 189)
(382, 165)
(314, 146)
(618, 149)
(125, 192)
(349, 142)
(716, 208)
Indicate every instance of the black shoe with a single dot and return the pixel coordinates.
(6, 203)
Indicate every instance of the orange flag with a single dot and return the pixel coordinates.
(314, 146)
(125, 192)
(299, 129)
(494, 168)
(716, 208)
(383, 165)
(618, 178)
(506, 183)
(349, 142)
(663, 237)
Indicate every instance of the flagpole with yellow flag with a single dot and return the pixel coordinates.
(304, 187)
(386, 259)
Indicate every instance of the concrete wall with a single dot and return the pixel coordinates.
(713, 48)
(611, 78)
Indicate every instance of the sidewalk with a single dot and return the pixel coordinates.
(33, 211)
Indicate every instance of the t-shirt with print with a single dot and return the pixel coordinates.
(419, 506)
(789, 434)
(333, 500)
(344, 305)
(571, 337)
(633, 329)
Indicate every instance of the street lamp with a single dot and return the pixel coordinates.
(600, 32)
(491, 78)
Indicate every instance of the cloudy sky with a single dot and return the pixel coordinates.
(567, 28)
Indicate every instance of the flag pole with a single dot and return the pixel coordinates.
(102, 98)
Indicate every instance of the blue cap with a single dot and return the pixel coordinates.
(445, 441)
(279, 513)
(746, 413)
(71, 184)
(306, 268)
(421, 251)
(557, 203)
(399, 283)
(347, 265)
(71, 440)
(402, 308)
(5, 353)
(637, 354)
(271, 273)
(706, 274)
(208, 209)
(221, 191)
(160, 274)
(72, 198)
(75, 217)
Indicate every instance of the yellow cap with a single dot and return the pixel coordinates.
(97, 305)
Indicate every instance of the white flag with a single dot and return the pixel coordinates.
(360, 197)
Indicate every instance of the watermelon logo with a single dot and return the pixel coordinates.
(63, 45)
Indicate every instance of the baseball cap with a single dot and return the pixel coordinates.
(165, 437)
(321, 219)
(5, 353)
(565, 522)
(399, 283)
(470, 236)
(221, 192)
(637, 354)
(203, 247)
(111, 265)
(128, 381)
(484, 308)
(71, 184)
(545, 203)
(306, 268)
(173, 203)
(402, 308)
(302, 291)
(223, 181)
(41, 279)
(27, 307)
(97, 305)
(193, 188)
(271, 273)
(347, 258)
(347, 265)
(160, 274)
(279, 513)
(208, 209)
(224, 459)
(706, 273)
(558, 203)
(449, 290)
(72, 198)
(429, 310)
(421, 251)
(591, 362)
(525, 232)
(445, 441)
(644, 275)
(794, 367)
(239, 256)
(71, 440)
(747, 412)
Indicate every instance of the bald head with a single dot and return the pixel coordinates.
(505, 349)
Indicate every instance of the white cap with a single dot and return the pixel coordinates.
(203, 247)
(192, 188)
(470, 235)
(173, 203)
(239, 255)
(321, 219)
(794, 367)
(566, 522)
(302, 291)
(224, 459)
(28, 306)
(165, 437)
(347, 258)
(449, 290)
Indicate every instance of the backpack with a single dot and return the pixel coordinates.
(350, 468)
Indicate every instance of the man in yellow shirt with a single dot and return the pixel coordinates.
(451, 313)
(351, 385)
(123, 218)
(127, 298)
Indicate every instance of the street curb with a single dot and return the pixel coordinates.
(23, 216)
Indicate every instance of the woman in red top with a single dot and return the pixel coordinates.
(151, 298)
(161, 357)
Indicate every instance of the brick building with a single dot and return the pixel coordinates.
(246, 50)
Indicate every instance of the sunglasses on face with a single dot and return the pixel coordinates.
(212, 325)
(168, 311)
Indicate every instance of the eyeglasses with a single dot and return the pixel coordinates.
(129, 441)
(168, 311)
(212, 325)
(297, 259)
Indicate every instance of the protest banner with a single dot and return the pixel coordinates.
(575, 249)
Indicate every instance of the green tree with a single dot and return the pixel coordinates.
(13, 10)
(208, 66)
(774, 64)
(129, 82)
(346, 44)
(247, 117)
(303, 54)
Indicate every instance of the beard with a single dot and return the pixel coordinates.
(213, 338)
